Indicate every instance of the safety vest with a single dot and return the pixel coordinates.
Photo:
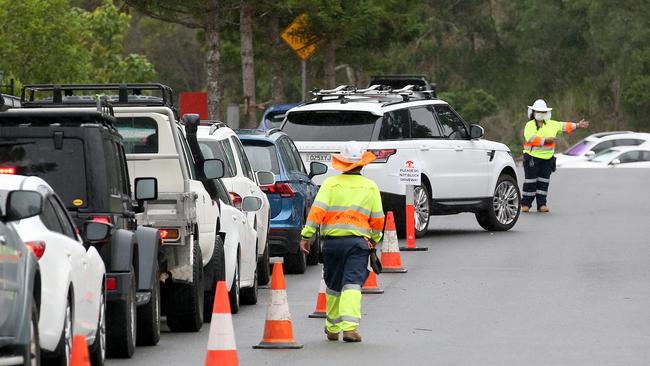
(535, 139)
(346, 205)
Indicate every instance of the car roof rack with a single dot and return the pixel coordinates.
(103, 114)
(214, 124)
(382, 92)
(272, 131)
(81, 95)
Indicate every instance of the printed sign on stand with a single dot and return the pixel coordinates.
(409, 174)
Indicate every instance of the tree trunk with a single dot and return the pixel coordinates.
(247, 63)
(330, 64)
(213, 60)
(277, 80)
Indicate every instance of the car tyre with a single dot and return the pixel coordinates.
(185, 301)
(504, 209)
(295, 263)
(32, 351)
(97, 350)
(121, 326)
(218, 262)
(263, 266)
(248, 295)
(63, 349)
(234, 294)
(149, 315)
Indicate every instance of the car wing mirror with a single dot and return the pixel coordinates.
(590, 154)
(251, 204)
(96, 232)
(22, 205)
(615, 162)
(213, 168)
(265, 178)
(316, 168)
(476, 132)
(146, 188)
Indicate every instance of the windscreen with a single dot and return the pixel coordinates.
(330, 126)
(63, 166)
(262, 156)
(274, 120)
(578, 149)
(605, 156)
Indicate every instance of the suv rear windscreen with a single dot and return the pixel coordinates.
(262, 156)
(62, 168)
(330, 126)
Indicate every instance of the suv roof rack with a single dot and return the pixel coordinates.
(214, 124)
(340, 93)
(76, 95)
(272, 131)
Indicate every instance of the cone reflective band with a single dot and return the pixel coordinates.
(391, 260)
(222, 349)
(321, 302)
(410, 222)
(278, 331)
(79, 355)
(371, 286)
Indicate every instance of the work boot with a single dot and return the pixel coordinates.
(525, 208)
(351, 336)
(543, 208)
(331, 335)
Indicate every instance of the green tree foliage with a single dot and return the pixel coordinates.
(53, 42)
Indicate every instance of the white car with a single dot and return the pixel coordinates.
(598, 142)
(616, 157)
(460, 171)
(72, 274)
(217, 141)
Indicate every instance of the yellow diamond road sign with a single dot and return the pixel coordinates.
(299, 39)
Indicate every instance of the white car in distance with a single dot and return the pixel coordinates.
(72, 273)
(616, 157)
(217, 141)
(597, 142)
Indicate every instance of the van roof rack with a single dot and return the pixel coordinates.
(81, 95)
(382, 92)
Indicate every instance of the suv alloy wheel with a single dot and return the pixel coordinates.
(504, 210)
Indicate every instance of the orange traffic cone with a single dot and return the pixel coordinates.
(222, 349)
(79, 356)
(371, 286)
(278, 331)
(321, 302)
(391, 260)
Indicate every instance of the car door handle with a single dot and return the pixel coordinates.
(424, 147)
(234, 217)
(458, 148)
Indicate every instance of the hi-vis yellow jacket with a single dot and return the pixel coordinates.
(535, 139)
(346, 205)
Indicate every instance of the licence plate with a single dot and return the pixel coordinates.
(320, 157)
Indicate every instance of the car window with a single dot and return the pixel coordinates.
(627, 142)
(296, 156)
(111, 161)
(214, 150)
(452, 125)
(330, 126)
(222, 192)
(50, 218)
(395, 125)
(602, 146)
(263, 156)
(188, 155)
(230, 156)
(66, 226)
(124, 170)
(64, 167)
(246, 165)
(630, 157)
(286, 156)
(140, 134)
(423, 124)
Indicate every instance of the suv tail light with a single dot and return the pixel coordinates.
(283, 189)
(7, 170)
(383, 154)
(102, 219)
(169, 234)
(37, 247)
(236, 200)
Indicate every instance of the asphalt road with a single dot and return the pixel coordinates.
(571, 287)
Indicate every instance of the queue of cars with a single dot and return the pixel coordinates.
(167, 206)
(624, 149)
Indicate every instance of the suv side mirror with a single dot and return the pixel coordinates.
(146, 188)
(265, 178)
(615, 162)
(23, 204)
(316, 168)
(590, 154)
(251, 204)
(213, 168)
(476, 132)
(94, 231)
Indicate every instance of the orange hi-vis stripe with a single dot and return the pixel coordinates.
(568, 127)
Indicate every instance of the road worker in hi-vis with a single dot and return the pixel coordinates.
(539, 147)
(348, 210)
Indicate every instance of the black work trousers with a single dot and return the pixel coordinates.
(537, 178)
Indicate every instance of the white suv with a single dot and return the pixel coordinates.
(460, 171)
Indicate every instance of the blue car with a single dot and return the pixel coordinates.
(290, 197)
(274, 116)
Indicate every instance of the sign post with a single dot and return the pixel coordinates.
(410, 175)
(303, 43)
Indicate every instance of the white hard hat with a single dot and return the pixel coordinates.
(539, 106)
(352, 151)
